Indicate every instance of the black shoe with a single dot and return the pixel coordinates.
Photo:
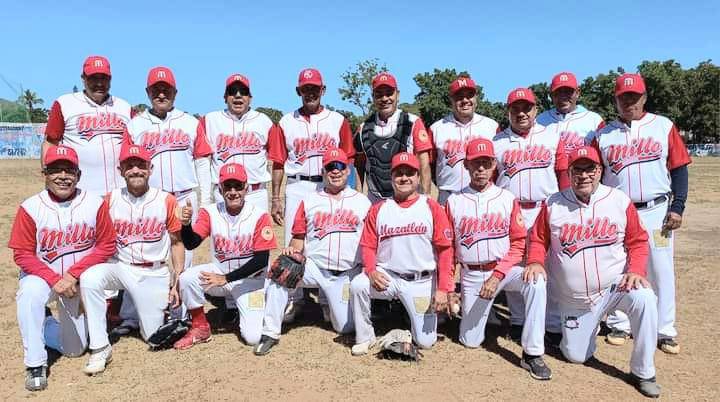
(553, 339)
(669, 346)
(648, 387)
(536, 366)
(36, 378)
(515, 332)
(123, 329)
(617, 337)
(266, 343)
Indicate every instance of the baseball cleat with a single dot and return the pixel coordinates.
(266, 343)
(617, 337)
(648, 387)
(363, 348)
(194, 335)
(98, 361)
(669, 346)
(536, 366)
(36, 378)
(124, 329)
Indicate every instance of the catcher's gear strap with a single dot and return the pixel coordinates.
(380, 150)
(258, 262)
(190, 239)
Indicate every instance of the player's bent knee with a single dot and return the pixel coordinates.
(575, 357)
(359, 284)
(251, 337)
(471, 344)
(426, 341)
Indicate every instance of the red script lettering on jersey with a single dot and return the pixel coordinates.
(454, 151)
(340, 221)
(597, 232)
(532, 157)
(410, 229)
(143, 230)
(315, 146)
(620, 156)
(74, 238)
(243, 143)
(171, 139)
(486, 227)
(102, 123)
(572, 141)
(236, 248)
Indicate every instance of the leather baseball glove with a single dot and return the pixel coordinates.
(168, 333)
(287, 270)
(397, 344)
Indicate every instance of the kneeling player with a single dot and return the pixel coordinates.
(241, 239)
(489, 243)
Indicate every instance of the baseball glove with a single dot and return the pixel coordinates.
(168, 333)
(397, 344)
(287, 270)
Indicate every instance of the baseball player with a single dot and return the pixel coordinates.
(531, 164)
(385, 133)
(241, 135)
(590, 242)
(148, 230)
(645, 157)
(296, 150)
(326, 229)
(489, 246)
(241, 238)
(452, 133)
(407, 254)
(93, 123)
(57, 235)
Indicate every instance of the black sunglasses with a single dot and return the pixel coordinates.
(335, 165)
(233, 184)
(234, 89)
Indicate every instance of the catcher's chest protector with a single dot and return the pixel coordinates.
(380, 150)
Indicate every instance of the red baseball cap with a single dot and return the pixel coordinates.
(134, 151)
(233, 78)
(564, 79)
(460, 83)
(629, 83)
(519, 94)
(586, 152)
(310, 76)
(96, 65)
(161, 74)
(233, 171)
(478, 148)
(384, 78)
(405, 158)
(334, 155)
(60, 153)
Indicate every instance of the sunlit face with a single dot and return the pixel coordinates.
(336, 176)
(311, 96)
(565, 99)
(481, 170)
(463, 103)
(97, 86)
(162, 97)
(238, 99)
(233, 192)
(631, 105)
(136, 173)
(522, 115)
(385, 99)
(585, 177)
(405, 181)
(61, 178)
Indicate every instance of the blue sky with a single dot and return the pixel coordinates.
(503, 45)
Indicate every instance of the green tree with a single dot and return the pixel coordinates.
(358, 81)
(139, 108)
(667, 92)
(29, 100)
(351, 117)
(701, 115)
(494, 110)
(542, 96)
(274, 114)
(598, 94)
(433, 100)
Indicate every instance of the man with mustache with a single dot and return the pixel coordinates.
(93, 123)
(57, 235)
(148, 231)
(644, 156)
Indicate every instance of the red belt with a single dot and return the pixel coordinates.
(529, 204)
(256, 186)
(181, 192)
(488, 266)
(144, 264)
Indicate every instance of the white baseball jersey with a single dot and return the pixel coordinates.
(527, 164)
(241, 140)
(143, 225)
(573, 127)
(332, 228)
(589, 246)
(637, 158)
(96, 133)
(234, 239)
(450, 137)
(174, 144)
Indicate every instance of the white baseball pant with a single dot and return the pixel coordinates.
(248, 295)
(148, 287)
(660, 274)
(475, 309)
(415, 295)
(580, 327)
(32, 296)
(516, 305)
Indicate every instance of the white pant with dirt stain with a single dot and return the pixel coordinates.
(248, 295)
(416, 296)
(32, 296)
(475, 309)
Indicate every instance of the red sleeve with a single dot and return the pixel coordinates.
(202, 224)
(369, 239)
(23, 242)
(677, 151)
(421, 140)
(201, 148)
(277, 151)
(539, 238)
(171, 221)
(561, 166)
(445, 272)
(299, 226)
(600, 125)
(104, 243)
(346, 139)
(636, 242)
(127, 139)
(518, 235)
(56, 123)
(264, 237)
(442, 232)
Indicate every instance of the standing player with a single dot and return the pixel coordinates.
(532, 164)
(645, 157)
(241, 238)
(57, 234)
(452, 134)
(489, 245)
(92, 122)
(407, 253)
(241, 135)
(384, 134)
(326, 229)
(148, 230)
(296, 150)
(596, 252)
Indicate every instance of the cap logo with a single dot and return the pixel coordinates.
(628, 82)
(582, 152)
(520, 94)
(98, 63)
(334, 153)
(307, 74)
(462, 83)
(161, 74)
(563, 77)
(481, 147)
(404, 158)
(238, 78)
(134, 151)
(231, 169)
(61, 151)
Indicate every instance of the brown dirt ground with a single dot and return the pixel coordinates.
(311, 362)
